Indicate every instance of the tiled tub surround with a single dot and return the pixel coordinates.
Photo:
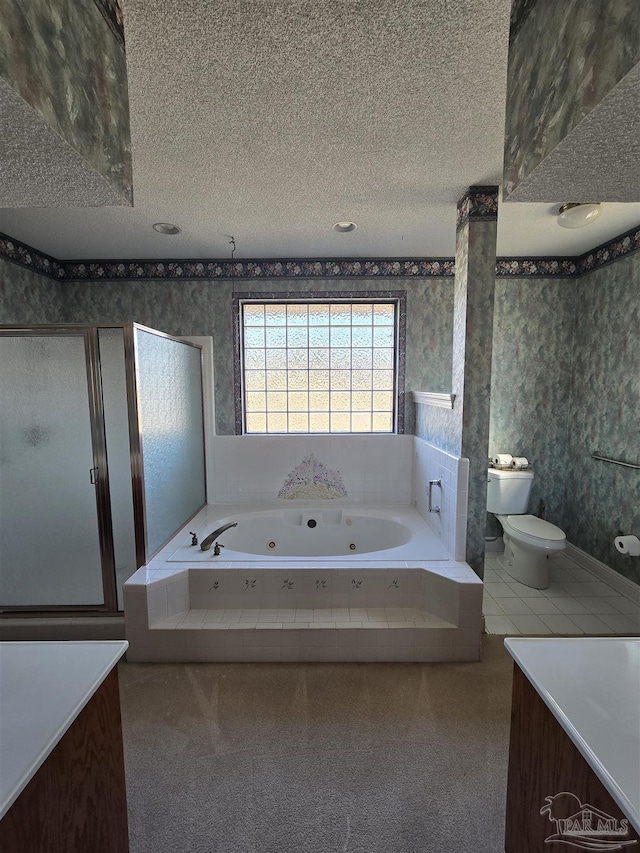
(450, 524)
(393, 469)
(376, 468)
(346, 609)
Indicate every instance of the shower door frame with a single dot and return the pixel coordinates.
(135, 438)
(98, 441)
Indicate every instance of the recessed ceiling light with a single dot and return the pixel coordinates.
(166, 228)
(576, 215)
(344, 227)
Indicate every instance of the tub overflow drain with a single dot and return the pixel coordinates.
(272, 544)
(352, 546)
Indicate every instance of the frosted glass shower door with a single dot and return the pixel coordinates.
(49, 534)
(170, 419)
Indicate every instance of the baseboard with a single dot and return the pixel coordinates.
(604, 573)
(26, 629)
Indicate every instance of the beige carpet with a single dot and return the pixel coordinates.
(317, 758)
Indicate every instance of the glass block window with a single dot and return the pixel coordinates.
(319, 367)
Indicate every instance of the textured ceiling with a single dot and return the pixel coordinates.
(38, 166)
(270, 120)
(599, 158)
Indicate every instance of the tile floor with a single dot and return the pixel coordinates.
(576, 602)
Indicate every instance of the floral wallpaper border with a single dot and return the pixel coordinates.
(478, 203)
(27, 256)
(609, 252)
(400, 295)
(286, 268)
(540, 267)
(601, 256)
(545, 267)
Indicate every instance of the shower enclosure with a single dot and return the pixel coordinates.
(101, 459)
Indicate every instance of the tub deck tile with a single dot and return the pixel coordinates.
(286, 616)
(323, 615)
(232, 615)
(213, 616)
(270, 619)
(340, 615)
(267, 615)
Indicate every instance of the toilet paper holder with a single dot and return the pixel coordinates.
(628, 545)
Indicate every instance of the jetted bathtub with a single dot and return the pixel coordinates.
(305, 583)
(311, 533)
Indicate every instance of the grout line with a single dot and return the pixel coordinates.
(557, 618)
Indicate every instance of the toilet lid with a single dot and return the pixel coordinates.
(533, 526)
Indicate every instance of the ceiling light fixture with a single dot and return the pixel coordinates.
(344, 227)
(577, 215)
(166, 228)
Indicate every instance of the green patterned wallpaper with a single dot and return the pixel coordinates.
(564, 58)
(604, 415)
(64, 60)
(566, 382)
(205, 308)
(27, 297)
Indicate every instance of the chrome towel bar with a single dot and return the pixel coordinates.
(600, 458)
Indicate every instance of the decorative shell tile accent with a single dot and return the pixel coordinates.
(312, 480)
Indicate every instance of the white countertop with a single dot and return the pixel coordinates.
(592, 687)
(43, 688)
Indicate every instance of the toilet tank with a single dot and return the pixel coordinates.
(508, 491)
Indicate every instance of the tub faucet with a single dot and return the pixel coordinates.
(208, 542)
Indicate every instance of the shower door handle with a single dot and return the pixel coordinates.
(93, 476)
(433, 483)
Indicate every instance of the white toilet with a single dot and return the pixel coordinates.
(528, 540)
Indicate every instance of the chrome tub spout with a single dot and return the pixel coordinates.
(211, 538)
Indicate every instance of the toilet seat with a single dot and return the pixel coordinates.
(534, 531)
(534, 526)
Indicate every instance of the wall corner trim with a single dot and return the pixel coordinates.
(431, 398)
